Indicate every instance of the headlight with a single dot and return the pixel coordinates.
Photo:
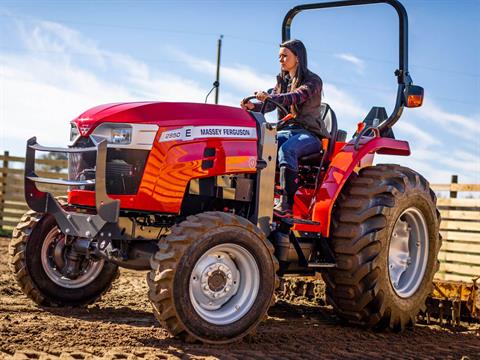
(125, 135)
(121, 136)
(73, 132)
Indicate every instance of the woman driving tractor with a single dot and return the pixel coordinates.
(300, 90)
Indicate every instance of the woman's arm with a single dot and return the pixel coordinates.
(299, 95)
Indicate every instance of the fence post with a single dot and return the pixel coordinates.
(4, 185)
(453, 194)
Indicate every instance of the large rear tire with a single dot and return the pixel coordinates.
(385, 236)
(37, 252)
(213, 278)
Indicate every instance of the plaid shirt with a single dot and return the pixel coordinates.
(299, 95)
(288, 98)
(303, 102)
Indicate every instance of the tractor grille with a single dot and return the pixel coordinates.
(124, 168)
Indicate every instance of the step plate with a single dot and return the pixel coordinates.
(321, 265)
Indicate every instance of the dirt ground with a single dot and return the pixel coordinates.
(121, 326)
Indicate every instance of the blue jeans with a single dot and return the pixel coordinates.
(294, 144)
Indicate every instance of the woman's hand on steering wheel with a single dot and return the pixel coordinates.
(245, 103)
(262, 96)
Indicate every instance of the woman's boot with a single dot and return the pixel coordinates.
(288, 185)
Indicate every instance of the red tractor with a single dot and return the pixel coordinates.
(186, 191)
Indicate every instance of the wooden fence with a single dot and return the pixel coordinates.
(460, 226)
(12, 200)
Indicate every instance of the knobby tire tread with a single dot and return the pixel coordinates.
(358, 227)
(171, 249)
(18, 266)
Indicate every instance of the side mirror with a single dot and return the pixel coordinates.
(413, 96)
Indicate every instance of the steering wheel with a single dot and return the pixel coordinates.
(262, 110)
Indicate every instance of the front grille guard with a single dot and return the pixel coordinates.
(72, 223)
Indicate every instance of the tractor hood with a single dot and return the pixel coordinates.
(164, 114)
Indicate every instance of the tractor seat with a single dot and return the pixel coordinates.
(330, 120)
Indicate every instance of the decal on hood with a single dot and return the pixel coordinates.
(195, 132)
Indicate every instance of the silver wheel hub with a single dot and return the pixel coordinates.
(224, 284)
(408, 252)
(219, 280)
(53, 257)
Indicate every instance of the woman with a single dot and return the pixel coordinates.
(299, 90)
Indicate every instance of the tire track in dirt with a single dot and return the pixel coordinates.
(121, 326)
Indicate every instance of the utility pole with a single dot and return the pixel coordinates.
(217, 80)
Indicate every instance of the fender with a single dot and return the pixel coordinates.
(340, 169)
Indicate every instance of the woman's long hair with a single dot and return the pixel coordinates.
(299, 50)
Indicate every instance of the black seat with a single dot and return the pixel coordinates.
(330, 120)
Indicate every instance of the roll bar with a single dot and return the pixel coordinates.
(402, 74)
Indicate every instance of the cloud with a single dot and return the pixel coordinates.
(239, 77)
(423, 138)
(352, 59)
(466, 127)
(62, 73)
(348, 109)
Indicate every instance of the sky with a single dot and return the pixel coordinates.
(60, 58)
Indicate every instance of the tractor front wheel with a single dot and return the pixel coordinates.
(39, 259)
(213, 278)
(385, 235)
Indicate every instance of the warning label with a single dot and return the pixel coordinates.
(195, 132)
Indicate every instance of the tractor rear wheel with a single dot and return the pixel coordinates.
(213, 278)
(385, 236)
(38, 259)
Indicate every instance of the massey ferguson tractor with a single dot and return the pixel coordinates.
(186, 191)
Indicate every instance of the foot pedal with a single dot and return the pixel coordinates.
(291, 221)
(321, 265)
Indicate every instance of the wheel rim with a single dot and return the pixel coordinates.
(408, 252)
(53, 262)
(224, 284)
